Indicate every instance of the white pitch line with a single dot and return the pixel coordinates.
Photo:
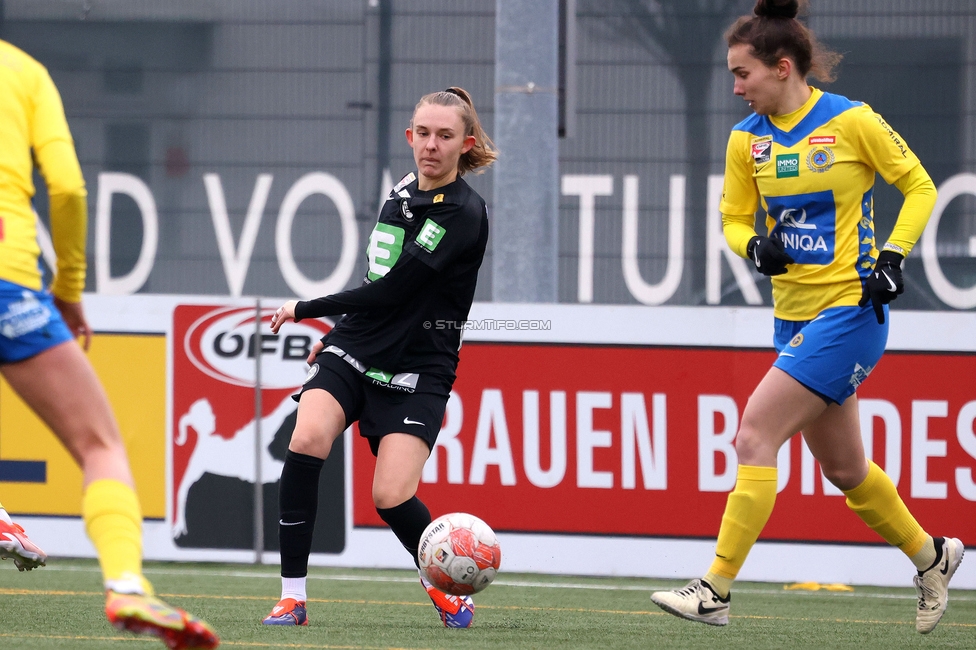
(506, 583)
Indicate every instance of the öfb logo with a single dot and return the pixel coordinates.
(214, 362)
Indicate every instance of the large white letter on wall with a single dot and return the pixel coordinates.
(712, 442)
(587, 188)
(588, 439)
(949, 293)
(967, 440)
(110, 183)
(635, 442)
(654, 294)
(491, 419)
(544, 478)
(924, 448)
(236, 259)
(330, 186)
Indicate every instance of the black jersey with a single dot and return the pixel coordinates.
(423, 258)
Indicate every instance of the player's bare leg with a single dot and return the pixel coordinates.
(61, 387)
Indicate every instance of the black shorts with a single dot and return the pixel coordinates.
(379, 410)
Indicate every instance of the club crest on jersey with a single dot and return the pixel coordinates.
(797, 340)
(820, 159)
(762, 149)
(405, 211)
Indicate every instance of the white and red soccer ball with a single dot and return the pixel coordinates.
(459, 554)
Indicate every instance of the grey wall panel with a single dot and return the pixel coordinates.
(291, 87)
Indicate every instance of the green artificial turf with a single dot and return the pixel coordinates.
(60, 606)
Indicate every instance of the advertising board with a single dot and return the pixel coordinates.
(595, 440)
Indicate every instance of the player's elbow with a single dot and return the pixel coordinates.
(68, 190)
(919, 185)
(924, 194)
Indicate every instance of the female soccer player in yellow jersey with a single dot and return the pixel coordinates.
(47, 368)
(809, 158)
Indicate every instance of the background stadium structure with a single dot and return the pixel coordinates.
(246, 100)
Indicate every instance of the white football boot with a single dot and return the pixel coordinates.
(696, 602)
(932, 586)
(15, 545)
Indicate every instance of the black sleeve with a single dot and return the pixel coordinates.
(394, 288)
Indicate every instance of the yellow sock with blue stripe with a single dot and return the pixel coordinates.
(113, 521)
(746, 514)
(877, 503)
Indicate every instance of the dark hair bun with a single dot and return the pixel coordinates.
(776, 8)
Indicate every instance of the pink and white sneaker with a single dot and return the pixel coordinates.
(288, 611)
(454, 611)
(15, 545)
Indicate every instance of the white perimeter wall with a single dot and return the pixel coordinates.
(576, 554)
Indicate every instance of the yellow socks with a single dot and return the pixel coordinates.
(875, 500)
(877, 503)
(746, 513)
(113, 520)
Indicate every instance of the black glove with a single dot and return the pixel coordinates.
(769, 255)
(884, 284)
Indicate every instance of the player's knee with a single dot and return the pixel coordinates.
(751, 446)
(843, 477)
(93, 440)
(385, 496)
(309, 442)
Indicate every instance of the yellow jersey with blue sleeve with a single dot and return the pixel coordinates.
(33, 129)
(812, 171)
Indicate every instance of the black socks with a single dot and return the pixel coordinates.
(408, 521)
(298, 501)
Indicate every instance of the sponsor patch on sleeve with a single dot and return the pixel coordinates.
(762, 149)
(430, 235)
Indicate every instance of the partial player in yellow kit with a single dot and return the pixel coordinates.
(48, 369)
(32, 122)
(809, 159)
(813, 171)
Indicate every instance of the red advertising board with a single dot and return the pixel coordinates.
(626, 440)
(215, 352)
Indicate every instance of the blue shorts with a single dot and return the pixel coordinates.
(833, 353)
(29, 323)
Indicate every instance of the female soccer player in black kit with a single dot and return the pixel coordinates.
(390, 362)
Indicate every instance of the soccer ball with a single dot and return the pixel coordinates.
(459, 554)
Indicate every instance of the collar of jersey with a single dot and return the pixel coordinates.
(785, 123)
(819, 109)
(443, 189)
